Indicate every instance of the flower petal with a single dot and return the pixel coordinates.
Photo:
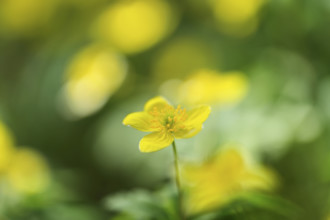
(159, 102)
(155, 141)
(260, 178)
(139, 120)
(197, 116)
(187, 133)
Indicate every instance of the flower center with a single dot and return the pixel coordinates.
(168, 119)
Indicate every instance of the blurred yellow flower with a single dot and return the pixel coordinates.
(6, 147)
(23, 169)
(166, 123)
(221, 179)
(28, 171)
(182, 56)
(135, 25)
(237, 17)
(25, 17)
(210, 87)
(93, 76)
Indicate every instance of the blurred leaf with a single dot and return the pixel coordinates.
(142, 204)
(272, 203)
(254, 206)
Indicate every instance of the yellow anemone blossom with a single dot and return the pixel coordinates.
(136, 25)
(182, 56)
(237, 17)
(211, 87)
(25, 17)
(221, 179)
(28, 171)
(166, 123)
(93, 76)
(24, 169)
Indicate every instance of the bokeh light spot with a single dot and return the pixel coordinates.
(134, 26)
(94, 75)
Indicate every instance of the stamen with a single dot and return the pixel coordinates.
(168, 119)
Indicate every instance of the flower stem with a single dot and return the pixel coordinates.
(177, 180)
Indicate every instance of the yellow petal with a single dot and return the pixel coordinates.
(139, 120)
(187, 133)
(158, 102)
(155, 141)
(197, 116)
(261, 178)
(230, 158)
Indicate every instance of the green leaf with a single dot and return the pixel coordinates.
(142, 204)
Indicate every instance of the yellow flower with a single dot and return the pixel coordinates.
(211, 87)
(221, 179)
(34, 15)
(166, 123)
(181, 56)
(24, 169)
(136, 25)
(237, 17)
(93, 76)
(28, 171)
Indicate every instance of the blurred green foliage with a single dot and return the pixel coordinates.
(281, 46)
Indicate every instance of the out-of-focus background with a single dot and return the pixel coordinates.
(71, 70)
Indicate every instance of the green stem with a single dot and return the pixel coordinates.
(177, 180)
